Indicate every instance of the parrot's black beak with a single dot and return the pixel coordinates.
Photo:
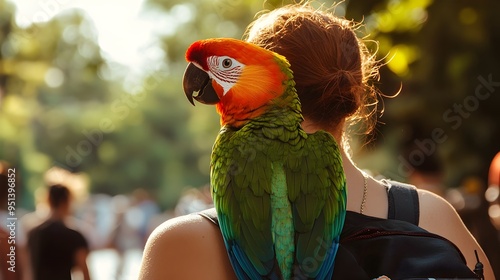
(197, 81)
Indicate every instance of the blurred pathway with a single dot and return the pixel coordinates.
(104, 264)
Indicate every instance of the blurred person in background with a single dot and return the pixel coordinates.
(194, 200)
(55, 249)
(144, 209)
(492, 195)
(493, 192)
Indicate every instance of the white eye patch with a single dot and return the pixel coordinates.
(224, 70)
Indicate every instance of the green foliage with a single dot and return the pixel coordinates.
(61, 105)
(440, 53)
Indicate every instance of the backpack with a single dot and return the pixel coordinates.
(396, 247)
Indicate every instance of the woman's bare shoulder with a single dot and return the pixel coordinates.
(438, 216)
(431, 202)
(187, 224)
(186, 247)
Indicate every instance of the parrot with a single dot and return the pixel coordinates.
(279, 192)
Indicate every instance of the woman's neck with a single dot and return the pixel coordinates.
(355, 177)
(355, 180)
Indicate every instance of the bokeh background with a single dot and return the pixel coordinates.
(91, 95)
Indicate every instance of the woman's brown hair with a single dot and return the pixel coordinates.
(331, 66)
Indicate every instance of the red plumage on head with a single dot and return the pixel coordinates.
(197, 53)
(200, 50)
(260, 81)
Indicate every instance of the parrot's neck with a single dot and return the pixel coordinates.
(266, 95)
(287, 104)
(237, 117)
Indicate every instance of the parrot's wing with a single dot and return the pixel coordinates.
(243, 206)
(317, 191)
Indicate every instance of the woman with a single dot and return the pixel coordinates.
(332, 69)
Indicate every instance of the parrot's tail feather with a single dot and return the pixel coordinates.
(243, 267)
(241, 264)
(326, 270)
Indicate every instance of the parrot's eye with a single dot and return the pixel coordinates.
(224, 70)
(226, 63)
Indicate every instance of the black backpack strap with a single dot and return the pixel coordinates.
(403, 202)
(211, 215)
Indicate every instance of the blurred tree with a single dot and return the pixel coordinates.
(49, 82)
(443, 55)
(60, 107)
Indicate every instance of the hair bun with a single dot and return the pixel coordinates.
(339, 96)
(331, 65)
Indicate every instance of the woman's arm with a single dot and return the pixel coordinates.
(187, 247)
(439, 217)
